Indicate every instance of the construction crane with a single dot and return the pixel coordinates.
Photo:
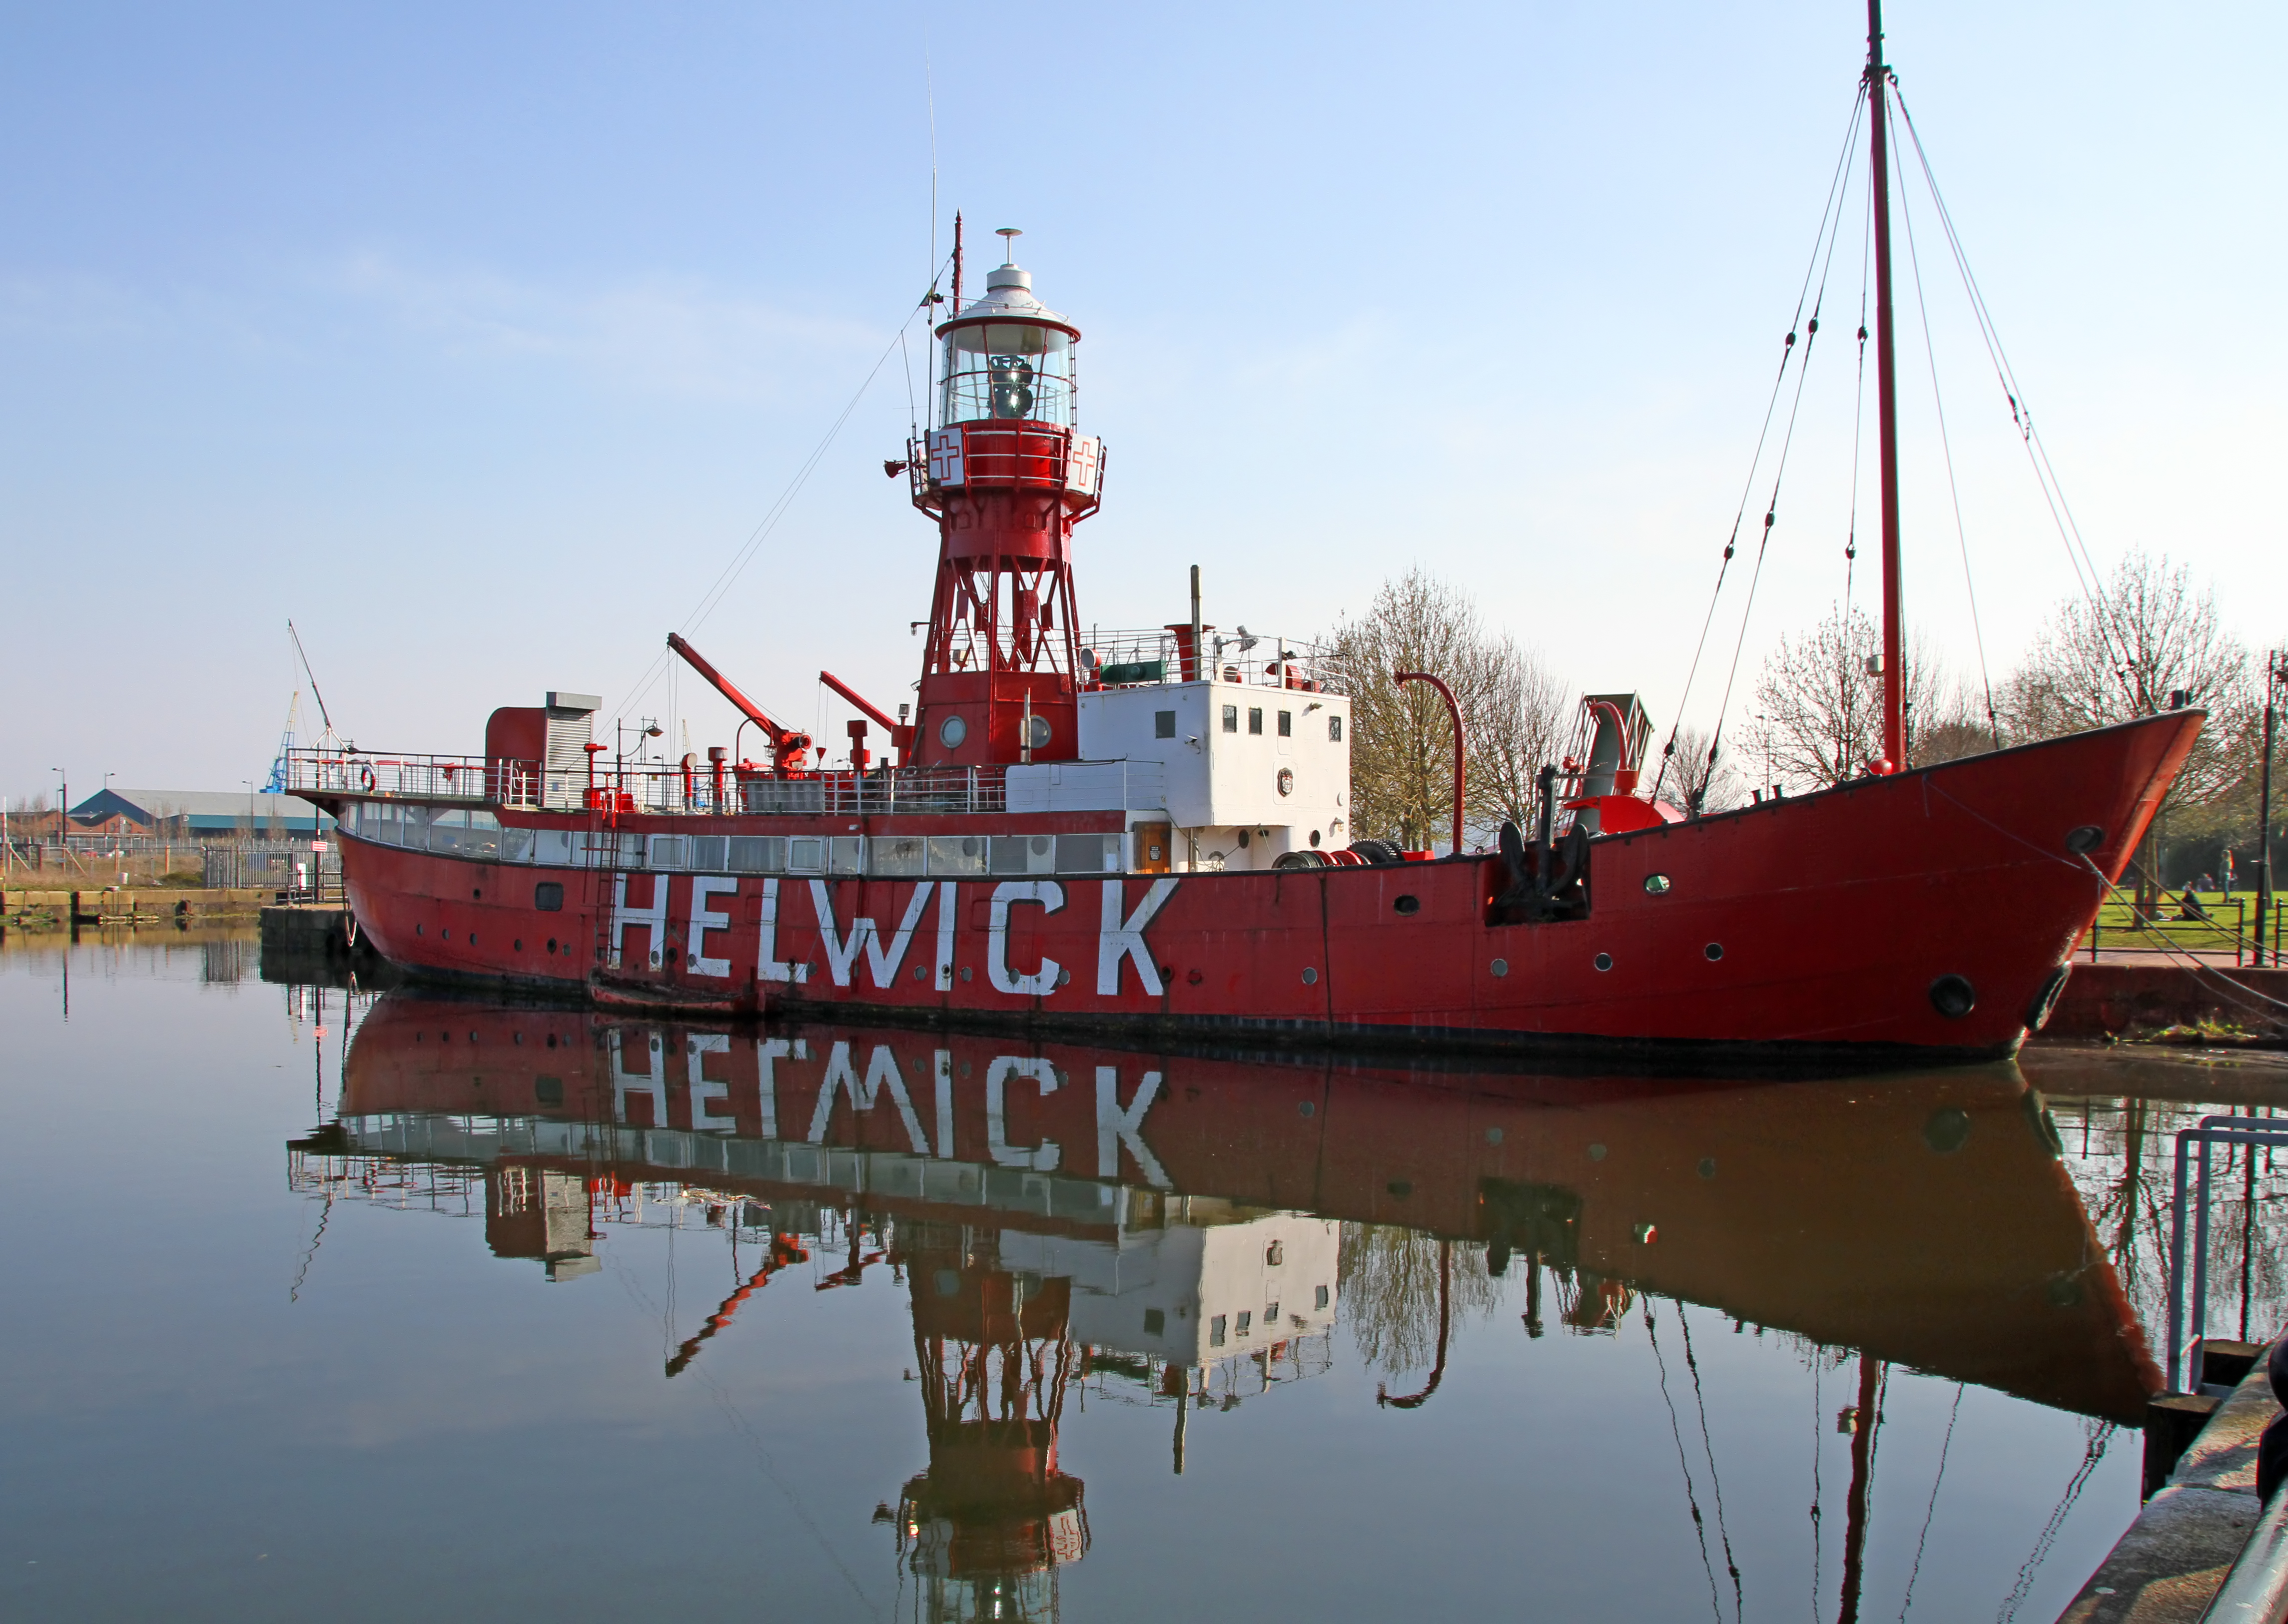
(278, 767)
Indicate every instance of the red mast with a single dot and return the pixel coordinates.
(1886, 404)
(1006, 475)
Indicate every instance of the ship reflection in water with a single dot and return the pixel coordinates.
(1060, 1215)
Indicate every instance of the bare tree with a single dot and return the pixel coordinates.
(1389, 1280)
(1523, 721)
(2153, 637)
(1819, 703)
(1517, 714)
(1694, 781)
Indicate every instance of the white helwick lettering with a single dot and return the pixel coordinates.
(654, 917)
(840, 955)
(945, 918)
(768, 966)
(1043, 981)
(881, 961)
(703, 1087)
(653, 1082)
(881, 1071)
(1044, 1157)
(884, 965)
(704, 919)
(1116, 1127)
(1123, 939)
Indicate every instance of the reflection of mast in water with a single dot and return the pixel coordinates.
(985, 1528)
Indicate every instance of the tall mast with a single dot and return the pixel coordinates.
(1887, 401)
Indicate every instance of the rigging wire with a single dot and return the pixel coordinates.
(1691, 1500)
(1829, 212)
(2099, 1435)
(1708, 1448)
(712, 599)
(1859, 399)
(2087, 574)
(1819, 1442)
(1931, 1511)
(1946, 449)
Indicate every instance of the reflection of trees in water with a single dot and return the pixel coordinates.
(2121, 1155)
(1388, 1280)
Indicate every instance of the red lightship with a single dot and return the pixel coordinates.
(1150, 831)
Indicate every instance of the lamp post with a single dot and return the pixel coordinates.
(63, 810)
(2276, 677)
(1455, 712)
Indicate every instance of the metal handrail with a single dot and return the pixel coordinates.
(2256, 1590)
(2213, 1131)
(1264, 664)
(649, 787)
(2241, 956)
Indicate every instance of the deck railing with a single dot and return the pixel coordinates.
(649, 787)
(1153, 654)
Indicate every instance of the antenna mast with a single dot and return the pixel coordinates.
(1887, 403)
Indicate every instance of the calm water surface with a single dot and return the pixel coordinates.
(367, 1306)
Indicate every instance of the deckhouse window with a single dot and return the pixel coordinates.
(1286, 723)
(1255, 719)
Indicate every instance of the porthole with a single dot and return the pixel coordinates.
(552, 943)
(2083, 840)
(1315, 837)
(1500, 967)
(446, 935)
(1037, 733)
(518, 946)
(1310, 975)
(1714, 951)
(1407, 905)
(1953, 996)
(477, 893)
(417, 930)
(952, 731)
(1657, 885)
(1603, 960)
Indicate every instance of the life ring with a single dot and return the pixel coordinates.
(365, 779)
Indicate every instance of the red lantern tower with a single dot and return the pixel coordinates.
(1007, 474)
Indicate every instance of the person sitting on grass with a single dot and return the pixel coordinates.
(2188, 906)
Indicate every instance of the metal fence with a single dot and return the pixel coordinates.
(2189, 1322)
(297, 870)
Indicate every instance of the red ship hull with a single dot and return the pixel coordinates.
(1818, 927)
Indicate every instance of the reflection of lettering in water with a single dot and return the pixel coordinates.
(1029, 1195)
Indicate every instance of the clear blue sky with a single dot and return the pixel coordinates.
(478, 339)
